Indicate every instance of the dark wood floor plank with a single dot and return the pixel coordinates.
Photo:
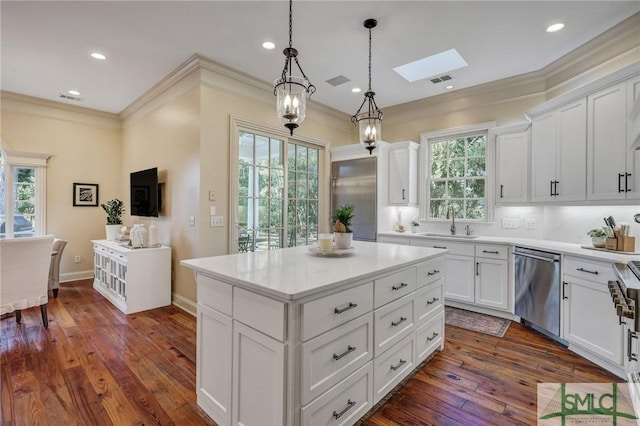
(97, 366)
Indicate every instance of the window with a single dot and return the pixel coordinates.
(456, 174)
(22, 183)
(268, 216)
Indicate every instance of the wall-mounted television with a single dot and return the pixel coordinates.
(145, 199)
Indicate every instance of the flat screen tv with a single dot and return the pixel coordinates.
(145, 200)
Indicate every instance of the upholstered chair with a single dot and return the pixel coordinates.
(54, 269)
(24, 269)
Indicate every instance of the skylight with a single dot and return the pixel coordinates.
(439, 63)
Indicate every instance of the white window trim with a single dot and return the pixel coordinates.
(239, 124)
(424, 159)
(39, 162)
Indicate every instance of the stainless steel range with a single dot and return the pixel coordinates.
(625, 292)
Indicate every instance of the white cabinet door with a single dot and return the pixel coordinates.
(459, 282)
(607, 144)
(590, 320)
(258, 378)
(213, 364)
(571, 131)
(633, 136)
(543, 157)
(492, 283)
(403, 176)
(512, 168)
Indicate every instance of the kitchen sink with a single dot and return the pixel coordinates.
(461, 236)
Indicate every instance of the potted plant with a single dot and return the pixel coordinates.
(597, 237)
(114, 209)
(342, 233)
(415, 225)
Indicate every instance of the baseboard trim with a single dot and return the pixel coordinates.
(76, 276)
(185, 304)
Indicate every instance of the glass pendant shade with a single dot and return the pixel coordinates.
(369, 132)
(291, 101)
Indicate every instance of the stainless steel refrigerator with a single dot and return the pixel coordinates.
(354, 182)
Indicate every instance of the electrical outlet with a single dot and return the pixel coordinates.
(531, 223)
(509, 223)
(77, 259)
(192, 221)
(212, 195)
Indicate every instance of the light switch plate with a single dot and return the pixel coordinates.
(216, 221)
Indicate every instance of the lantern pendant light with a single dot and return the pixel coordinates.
(370, 120)
(292, 91)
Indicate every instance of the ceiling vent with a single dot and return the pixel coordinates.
(440, 79)
(69, 97)
(337, 81)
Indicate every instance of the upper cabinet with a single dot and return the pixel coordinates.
(403, 173)
(611, 164)
(558, 153)
(512, 164)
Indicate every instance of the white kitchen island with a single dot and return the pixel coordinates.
(290, 337)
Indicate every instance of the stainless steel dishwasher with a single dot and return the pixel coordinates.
(537, 287)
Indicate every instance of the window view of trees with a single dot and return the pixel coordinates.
(268, 216)
(24, 199)
(457, 176)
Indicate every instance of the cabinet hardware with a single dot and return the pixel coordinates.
(403, 194)
(348, 351)
(350, 404)
(351, 305)
(433, 336)
(477, 268)
(551, 188)
(435, 271)
(398, 287)
(626, 182)
(587, 271)
(564, 283)
(630, 336)
(440, 247)
(490, 251)
(620, 176)
(400, 364)
(501, 189)
(395, 324)
(432, 301)
(555, 187)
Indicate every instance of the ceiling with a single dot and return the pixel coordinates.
(46, 45)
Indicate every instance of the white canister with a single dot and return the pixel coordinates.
(153, 234)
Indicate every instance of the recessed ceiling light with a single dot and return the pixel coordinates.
(555, 27)
(100, 56)
(73, 92)
(268, 45)
(439, 63)
(356, 90)
(448, 87)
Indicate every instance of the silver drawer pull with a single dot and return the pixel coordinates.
(348, 351)
(435, 271)
(587, 271)
(491, 251)
(350, 404)
(400, 364)
(395, 324)
(440, 247)
(349, 306)
(432, 301)
(433, 336)
(398, 287)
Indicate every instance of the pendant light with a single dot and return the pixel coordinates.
(369, 121)
(292, 91)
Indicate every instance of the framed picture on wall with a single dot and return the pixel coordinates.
(85, 194)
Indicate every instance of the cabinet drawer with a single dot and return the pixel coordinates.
(392, 323)
(429, 337)
(394, 286)
(492, 251)
(462, 249)
(331, 311)
(343, 404)
(329, 358)
(430, 271)
(393, 240)
(392, 366)
(260, 312)
(428, 302)
(214, 294)
(591, 270)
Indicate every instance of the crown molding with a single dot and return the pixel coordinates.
(57, 110)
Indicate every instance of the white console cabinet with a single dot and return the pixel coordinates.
(133, 280)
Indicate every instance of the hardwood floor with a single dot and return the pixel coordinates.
(97, 366)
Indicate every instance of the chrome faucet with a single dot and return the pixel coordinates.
(467, 229)
(450, 215)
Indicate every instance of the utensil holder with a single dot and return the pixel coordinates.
(626, 243)
(611, 244)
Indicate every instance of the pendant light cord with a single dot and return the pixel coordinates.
(369, 59)
(290, 22)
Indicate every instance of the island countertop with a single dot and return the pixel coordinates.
(296, 272)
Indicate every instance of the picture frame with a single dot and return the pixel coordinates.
(85, 194)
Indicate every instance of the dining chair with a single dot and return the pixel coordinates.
(24, 269)
(54, 268)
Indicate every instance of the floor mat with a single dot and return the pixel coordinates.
(476, 322)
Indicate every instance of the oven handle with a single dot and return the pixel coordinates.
(545, 259)
(630, 336)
